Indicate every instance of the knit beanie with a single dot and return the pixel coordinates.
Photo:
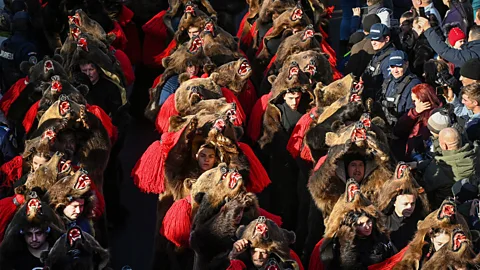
(370, 20)
(455, 35)
(471, 69)
(438, 121)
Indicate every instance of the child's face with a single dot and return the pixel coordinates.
(206, 158)
(459, 44)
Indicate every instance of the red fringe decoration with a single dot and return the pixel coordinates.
(30, 117)
(120, 41)
(148, 173)
(158, 58)
(236, 265)
(260, 46)
(126, 16)
(177, 223)
(389, 263)
(255, 123)
(106, 122)
(295, 257)
(295, 143)
(155, 36)
(11, 171)
(272, 61)
(12, 94)
(320, 163)
(168, 109)
(231, 98)
(315, 261)
(8, 209)
(99, 208)
(248, 97)
(272, 217)
(258, 176)
(126, 66)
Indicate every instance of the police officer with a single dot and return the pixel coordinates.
(377, 70)
(16, 49)
(396, 89)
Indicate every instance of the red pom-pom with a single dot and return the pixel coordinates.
(272, 217)
(259, 179)
(12, 94)
(256, 118)
(231, 98)
(11, 171)
(30, 117)
(315, 261)
(106, 122)
(162, 123)
(8, 209)
(155, 36)
(125, 16)
(177, 223)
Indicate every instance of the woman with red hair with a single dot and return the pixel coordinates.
(411, 129)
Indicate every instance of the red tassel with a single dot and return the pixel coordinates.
(256, 118)
(30, 117)
(177, 223)
(148, 173)
(155, 36)
(295, 143)
(295, 257)
(389, 263)
(272, 217)
(120, 41)
(126, 66)
(126, 16)
(11, 171)
(12, 94)
(231, 98)
(99, 208)
(258, 176)
(168, 109)
(106, 122)
(315, 261)
(158, 58)
(8, 209)
(320, 163)
(236, 265)
(272, 61)
(248, 97)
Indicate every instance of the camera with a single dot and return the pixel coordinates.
(444, 78)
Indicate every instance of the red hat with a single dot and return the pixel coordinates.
(455, 35)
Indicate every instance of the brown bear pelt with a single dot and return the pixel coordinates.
(64, 109)
(219, 226)
(325, 184)
(217, 51)
(192, 17)
(265, 234)
(76, 250)
(445, 219)
(315, 62)
(333, 96)
(402, 182)
(175, 5)
(221, 36)
(87, 25)
(268, 8)
(48, 174)
(288, 79)
(234, 75)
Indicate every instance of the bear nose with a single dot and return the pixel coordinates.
(313, 62)
(294, 63)
(195, 89)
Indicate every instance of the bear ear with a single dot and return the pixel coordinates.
(209, 68)
(295, 49)
(215, 76)
(331, 138)
(379, 122)
(166, 61)
(240, 231)
(183, 78)
(83, 89)
(272, 78)
(57, 57)
(25, 67)
(188, 183)
(289, 236)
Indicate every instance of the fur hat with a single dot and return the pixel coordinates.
(64, 109)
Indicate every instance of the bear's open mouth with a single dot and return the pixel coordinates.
(293, 71)
(190, 9)
(74, 235)
(49, 134)
(311, 68)
(366, 120)
(355, 98)
(75, 32)
(359, 133)
(244, 68)
(82, 43)
(401, 170)
(352, 189)
(196, 44)
(261, 228)
(235, 177)
(209, 28)
(83, 182)
(64, 166)
(56, 86)
(308, 34)
(448, 210)
(458, 239)
(219, 125)
(33, 206)
(64, 108)
(75, 19)
(48, 66)
(297, 14)
(232, 115)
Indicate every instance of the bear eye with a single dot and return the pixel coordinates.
(304, 57)
(188, 87)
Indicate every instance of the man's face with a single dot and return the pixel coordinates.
(193, 31)
(397, 72)
(35, 238)
(379, 44)
(259, 257)
(206, 159)
(356, 170)
(192, 70)
(405, 205)
(293, 99)
(38, 161)
(440, 239)
(469, 103)
(74, 209)
(91, 72)
(467, 81)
